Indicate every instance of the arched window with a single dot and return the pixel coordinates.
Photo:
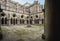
(5, 20)
(1, 9)
(30, 21)
(36, 21)
(2, 21)
(2, 14)
(14, 15)
(22, 16)
(11, 20)
(31, 17)
(36, 16)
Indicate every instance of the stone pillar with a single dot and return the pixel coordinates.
(52, 20)
(8, 22)
(25, 21)
(18, 22)
(33, 21)
(40, 22)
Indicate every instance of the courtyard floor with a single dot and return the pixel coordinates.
(22, 33)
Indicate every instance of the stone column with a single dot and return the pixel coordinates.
(40, 22)
(52, 20)
(25, 21)
(18, 21)
(8, 22)
(33, 21)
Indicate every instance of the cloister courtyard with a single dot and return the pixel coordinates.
(22, 33)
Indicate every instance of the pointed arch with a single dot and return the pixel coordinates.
(11, 21)
(21, 21)
(36, 21)
(30, 21)
(5, 20)
(2, 20)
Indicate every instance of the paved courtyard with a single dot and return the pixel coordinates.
(22, 33)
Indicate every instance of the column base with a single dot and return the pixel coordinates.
(43, 36)
(33, 22)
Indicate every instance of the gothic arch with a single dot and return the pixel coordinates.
(2, 20)
(22, 16)
(30, 21)
(36, 21)
(5, 20)
(11, 21)
(36, 16)
(21, 21)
